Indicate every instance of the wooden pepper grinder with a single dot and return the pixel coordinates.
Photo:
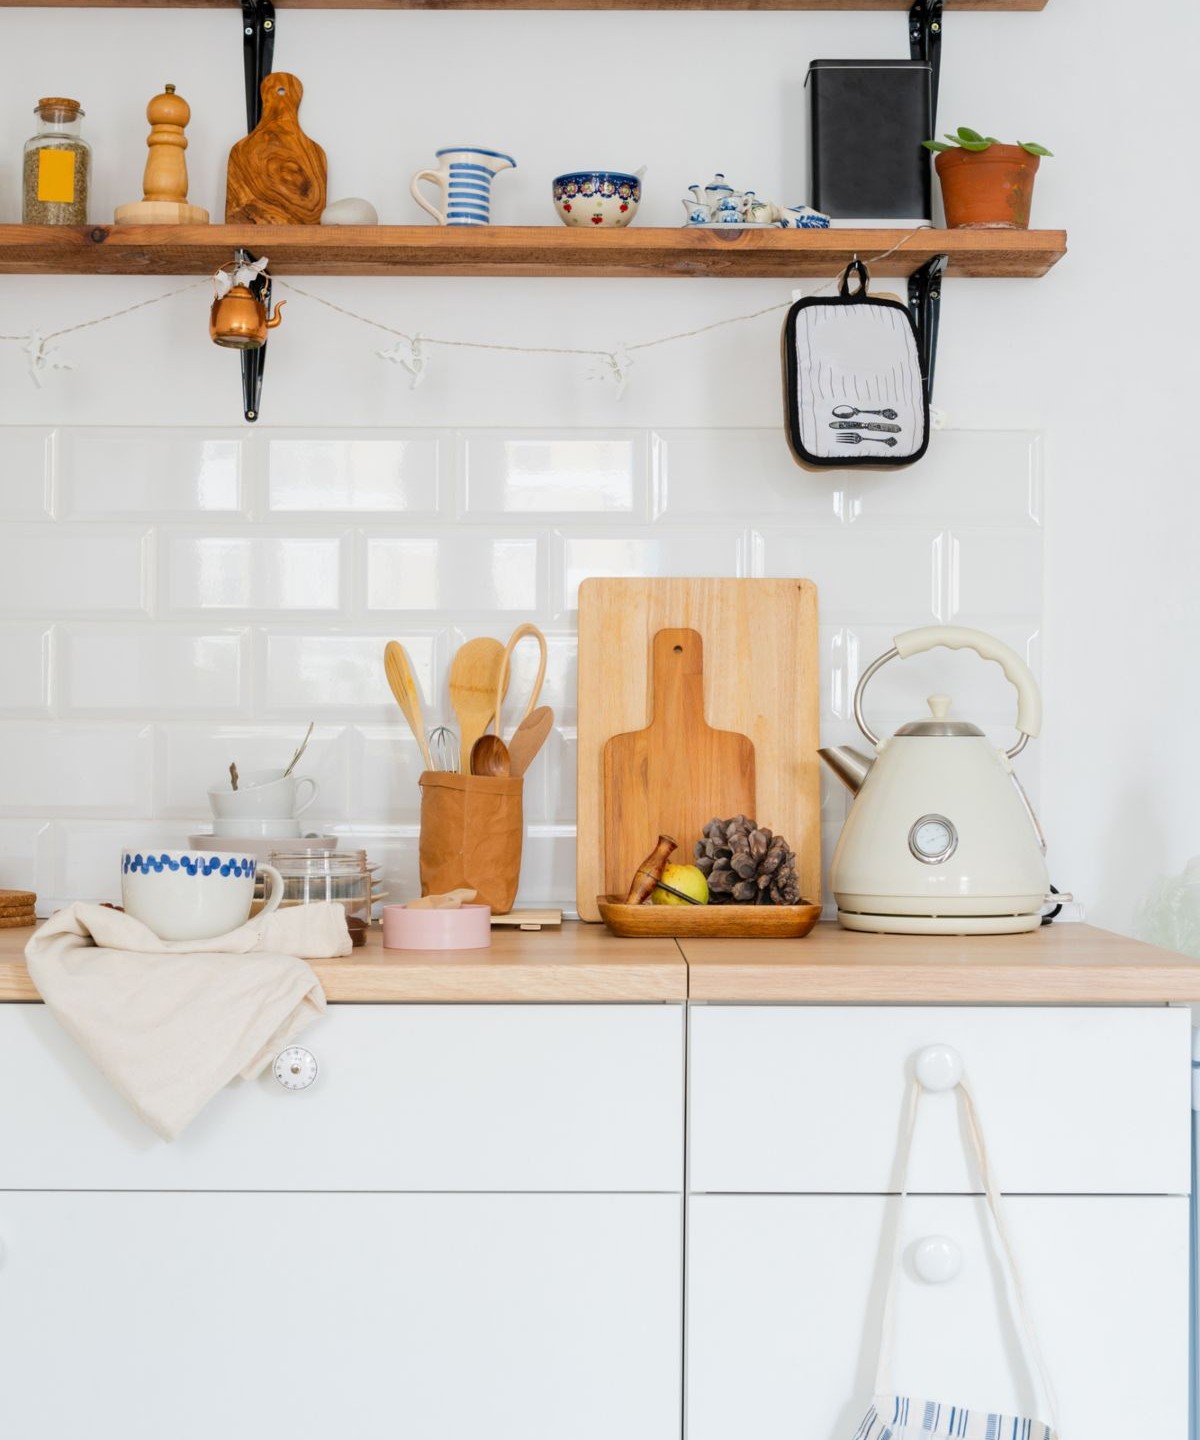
(165, 182)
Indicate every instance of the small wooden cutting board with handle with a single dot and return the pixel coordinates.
(276, 175)
(673, 777)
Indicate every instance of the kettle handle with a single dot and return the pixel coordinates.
(959, 637)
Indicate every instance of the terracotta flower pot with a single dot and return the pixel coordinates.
(987, 189)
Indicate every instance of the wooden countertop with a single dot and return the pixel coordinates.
(1062, 964)
(576, 963)
(1059, 964)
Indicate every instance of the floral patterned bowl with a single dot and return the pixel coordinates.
(598, 199)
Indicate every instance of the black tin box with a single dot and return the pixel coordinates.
(867, 119)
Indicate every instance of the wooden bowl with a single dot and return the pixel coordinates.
(708, 922)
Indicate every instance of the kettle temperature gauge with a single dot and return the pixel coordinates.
(933, 839)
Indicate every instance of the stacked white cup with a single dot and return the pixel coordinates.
(267, 804)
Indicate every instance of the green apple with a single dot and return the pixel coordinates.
(686, 878)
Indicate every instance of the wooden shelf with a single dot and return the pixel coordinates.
(536, 4)
(535, 250)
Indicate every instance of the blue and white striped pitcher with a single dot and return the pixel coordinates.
(465, 175)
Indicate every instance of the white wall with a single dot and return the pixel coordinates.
(1094, 356)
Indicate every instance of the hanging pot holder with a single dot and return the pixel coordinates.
(855, 392)
(900, 1417)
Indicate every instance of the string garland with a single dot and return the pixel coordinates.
(410, 350)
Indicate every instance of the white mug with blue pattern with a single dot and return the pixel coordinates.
(193, 894)
(464, 174)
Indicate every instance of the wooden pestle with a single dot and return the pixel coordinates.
(648, 874)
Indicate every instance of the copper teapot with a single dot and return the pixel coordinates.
(239, 319)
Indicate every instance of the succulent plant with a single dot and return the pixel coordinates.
(966, 139)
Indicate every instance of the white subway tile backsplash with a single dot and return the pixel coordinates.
(710, 474)
(340, 675)
(47, 768)
(24, 669)
(196, 757)
(104, 473)
(991, 477)
(25, 468)
(386, 764)
(87, 862)
(995, 573)
(454, 570)
(277, 564)
(562, 473)
(252, 572)
(26, 857)
(326, 471)
(51, 570)
(721, 550)
(864, 573)
(149, 672)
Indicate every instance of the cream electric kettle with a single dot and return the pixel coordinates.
(941, 838)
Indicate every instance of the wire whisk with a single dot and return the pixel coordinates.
(443, 747)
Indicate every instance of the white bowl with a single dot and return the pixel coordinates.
(260, 846)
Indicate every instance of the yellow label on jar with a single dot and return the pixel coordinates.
(56, 176)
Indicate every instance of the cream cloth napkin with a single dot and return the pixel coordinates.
(169, 1024)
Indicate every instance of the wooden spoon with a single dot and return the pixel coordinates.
(477, 683)
(408, 697)
(489, 756)
(514, 640)
(528, 738)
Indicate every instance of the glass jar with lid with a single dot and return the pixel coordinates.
(57, 168)
(345, 877)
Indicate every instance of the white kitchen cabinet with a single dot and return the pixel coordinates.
(407, 1097)
(437, 1317)
(798, 1099)
(785, 1294)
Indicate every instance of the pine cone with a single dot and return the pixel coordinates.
(746, 865)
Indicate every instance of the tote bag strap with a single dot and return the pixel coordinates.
(1033, 1350)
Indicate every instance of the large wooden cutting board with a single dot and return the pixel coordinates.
(672, 777)
(760, 680)
(276, 175)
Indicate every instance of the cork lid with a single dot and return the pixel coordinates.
(58, 103)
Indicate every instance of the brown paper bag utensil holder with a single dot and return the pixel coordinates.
(472, 828)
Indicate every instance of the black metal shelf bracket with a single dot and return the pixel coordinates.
(258, 54)
(925, 306)
(925, 43)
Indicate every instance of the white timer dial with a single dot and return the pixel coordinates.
(295, 1068)
(933, 839)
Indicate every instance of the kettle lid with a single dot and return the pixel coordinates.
(939, 706)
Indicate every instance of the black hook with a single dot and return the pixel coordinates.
(258, 54)
(925, 43)
(924, 305)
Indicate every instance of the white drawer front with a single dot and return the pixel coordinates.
(785, 1296)
(422, 1097)
(369, 1317)
(1073, 1101)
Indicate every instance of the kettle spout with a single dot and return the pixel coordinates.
(277, 317)
(848, 765)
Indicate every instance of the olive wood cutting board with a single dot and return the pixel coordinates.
(276, 175)
(760, 680)
(672, 777)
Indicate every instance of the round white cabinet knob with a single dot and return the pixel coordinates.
(939, 1067)
(936, 1259)
(295, 1068)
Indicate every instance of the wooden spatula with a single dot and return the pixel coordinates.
(528, 738)
(408, 697)
(475, 683)
(676, 775)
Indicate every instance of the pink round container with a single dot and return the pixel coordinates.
(467, 928)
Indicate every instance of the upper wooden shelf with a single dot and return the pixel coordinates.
(533, 250)
(537, 4)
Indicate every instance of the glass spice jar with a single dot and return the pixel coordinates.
(57, 166)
